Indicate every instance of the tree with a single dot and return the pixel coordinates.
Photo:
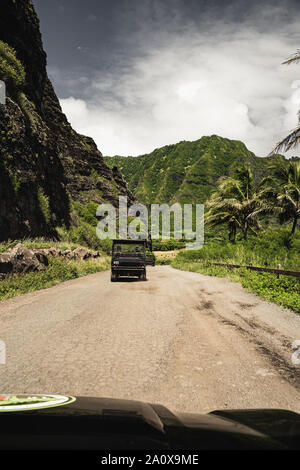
(222, 212)
(282, 189)
(238, 203)
(293, 138)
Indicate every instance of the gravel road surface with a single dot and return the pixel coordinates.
(185, 340)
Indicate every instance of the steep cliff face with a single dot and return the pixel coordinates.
(44, 163)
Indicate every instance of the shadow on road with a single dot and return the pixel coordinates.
(129, 279)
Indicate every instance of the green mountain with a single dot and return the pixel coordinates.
(188, 171)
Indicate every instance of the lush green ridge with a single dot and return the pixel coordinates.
(188, 171)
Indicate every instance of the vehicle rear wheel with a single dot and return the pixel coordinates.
(113, 277)
(143, 276)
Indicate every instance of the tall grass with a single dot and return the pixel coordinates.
(59, 270)
(38, 243)
(270, 248)
(284, 291)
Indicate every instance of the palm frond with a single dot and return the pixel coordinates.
(289, 142)
(287, 199)
(293, 58)
(293, 139)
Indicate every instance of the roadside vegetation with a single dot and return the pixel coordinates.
(83, 228)
(267, 250)
(59, 270)
(270, 248)
(38, 243)
(241, 209)
(284, 291)
(168, 245)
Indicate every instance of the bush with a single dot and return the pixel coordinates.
(59, 270)
(266, 250)
(44, 204)
(85, 235)
(87, 213)
(167, 245)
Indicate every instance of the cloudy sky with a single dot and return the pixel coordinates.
(139, 74)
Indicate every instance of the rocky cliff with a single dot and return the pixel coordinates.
(44, 163)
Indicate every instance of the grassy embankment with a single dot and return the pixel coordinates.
(267, 250)
(59, 269)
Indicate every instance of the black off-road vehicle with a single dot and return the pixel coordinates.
(128, 259)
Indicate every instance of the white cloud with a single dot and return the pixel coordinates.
(225, 80)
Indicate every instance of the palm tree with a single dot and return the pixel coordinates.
(282, 189)
(293, 138)
(222, 212)
(237, 203)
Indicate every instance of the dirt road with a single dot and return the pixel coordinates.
(188, 341)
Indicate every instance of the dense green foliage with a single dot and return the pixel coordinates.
(282, 190)
(83, 231)
(11, 69)
(268, 250)
(236, 202)
(44, 204)
(166, 245)
(13, 74)
(187, 172)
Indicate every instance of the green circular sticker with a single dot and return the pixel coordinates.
(32, 402)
